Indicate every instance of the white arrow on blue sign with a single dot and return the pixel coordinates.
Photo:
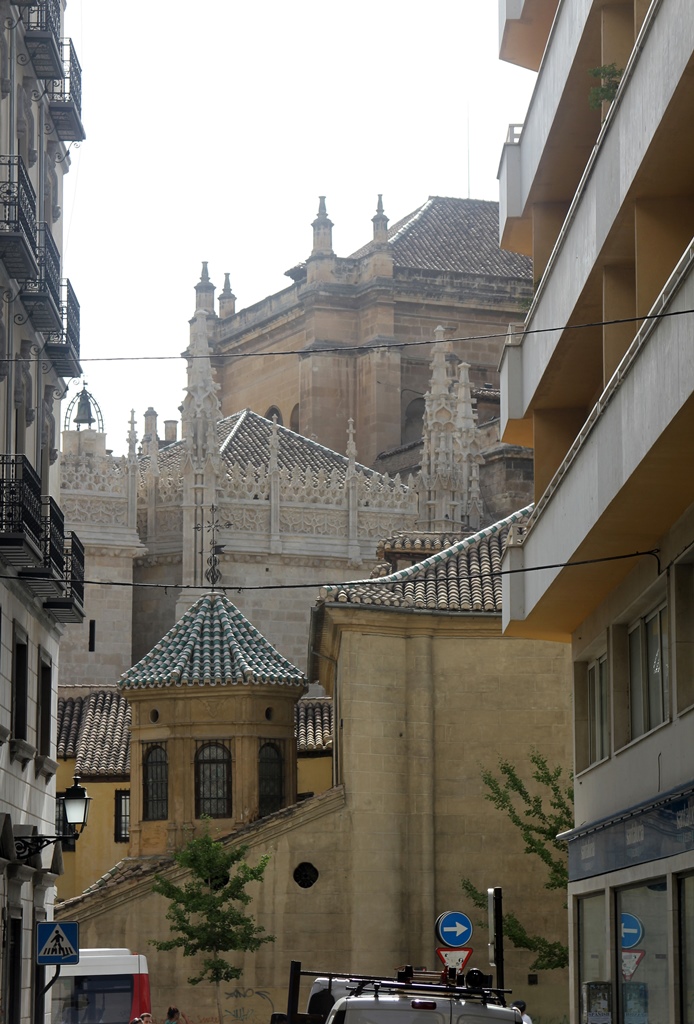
(632, 931)
(453, 929)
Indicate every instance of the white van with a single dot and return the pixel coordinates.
(413, 997)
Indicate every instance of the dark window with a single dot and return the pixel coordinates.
(20, 685)
(213, 781)
(43, 710)
(272, 412)
(121, 833)
(648, 671)
(155, 784)
(294, 419)
(61, 824)
(270, 777)
(305, 875)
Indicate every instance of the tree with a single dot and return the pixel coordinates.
(539, 818)
(610, 76)
(207, 911)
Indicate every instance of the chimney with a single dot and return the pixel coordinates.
(170, 431)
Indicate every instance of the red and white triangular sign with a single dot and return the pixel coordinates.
(454, 957)
(631, 958)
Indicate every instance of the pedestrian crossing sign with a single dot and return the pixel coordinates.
(57, 943)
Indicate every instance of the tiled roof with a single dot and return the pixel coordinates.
(95, 730)
(313, 724)
(244, 439)
(453, 234)
(417, 544)
(463, 578)
(213, 644)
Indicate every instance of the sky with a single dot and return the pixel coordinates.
(211, 132)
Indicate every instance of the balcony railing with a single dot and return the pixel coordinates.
(42, 38)
(20, 512)
(41, 295)
(70, 607)
(65, 97)
(63, 347)
(47, 579)
(17, 219)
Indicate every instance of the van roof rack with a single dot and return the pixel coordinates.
(449, 982)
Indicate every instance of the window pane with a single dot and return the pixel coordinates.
(155, 779)
(592, 722)
(213, 781)
(655, 668)
(604, 710)
(270, 774)
(687, 943)
(636, 684)
(643, 966)
(592, 960)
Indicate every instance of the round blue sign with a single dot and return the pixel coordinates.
(454, 929)
(632, 931)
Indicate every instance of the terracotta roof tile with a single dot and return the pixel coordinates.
(313, 724)
(95, 730)
(453, 234)
(464, 577)
(212, 644)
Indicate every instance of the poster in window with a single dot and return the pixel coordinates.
(635, 996)
(597, 1002)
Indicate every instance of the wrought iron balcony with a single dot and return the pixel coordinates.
(63, 347)
(41, 294)
(20, 512)
(47, 579)
(17, 219)
(70, 607)
(65, 97)
(42, 38)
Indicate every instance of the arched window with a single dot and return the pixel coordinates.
(270, 779)
(294, 419)
(155, 784)
(274, 411)
(413, 421)
(213, 781)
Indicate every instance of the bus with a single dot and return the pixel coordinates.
(107, 986)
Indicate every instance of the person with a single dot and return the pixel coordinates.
(174, 1014)
(136, 1020)
(520, 1005)
(146, 1018)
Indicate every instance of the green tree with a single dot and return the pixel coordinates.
(207, 911)
(539, 817)
(610, 76)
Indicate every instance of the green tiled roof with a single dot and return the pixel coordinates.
(213, 644)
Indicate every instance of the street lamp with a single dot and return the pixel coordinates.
(76, 803)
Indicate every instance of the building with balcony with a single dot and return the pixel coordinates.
(41, 562)
(597, 188)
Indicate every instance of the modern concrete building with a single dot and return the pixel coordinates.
(41, 563)
(601, 384)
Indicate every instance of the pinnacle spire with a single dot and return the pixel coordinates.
(204, 291)
(380, 223)
(322, 231)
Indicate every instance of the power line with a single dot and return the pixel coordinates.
(341, 349)
(375, 582)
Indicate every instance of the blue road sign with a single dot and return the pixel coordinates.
(57, 942)
(632, 931)
(454, 929)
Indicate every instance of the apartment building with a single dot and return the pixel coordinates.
(598, 187)
(40, 563)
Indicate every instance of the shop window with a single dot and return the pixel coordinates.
(213, 781)
(648, 671)
(121, 831)
(598, 711)
(593, 968)
(686, 917)
(155, 783)
(270, 778)
(642, 969)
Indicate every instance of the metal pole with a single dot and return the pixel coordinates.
(499, 936)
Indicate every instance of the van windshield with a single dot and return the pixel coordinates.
(100, 999)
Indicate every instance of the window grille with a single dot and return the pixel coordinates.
(270, 779)
(213, 781)
(155, 783)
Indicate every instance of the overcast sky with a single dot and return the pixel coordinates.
(211, 132)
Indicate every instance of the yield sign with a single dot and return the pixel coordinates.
(454, 957)
(631, 958)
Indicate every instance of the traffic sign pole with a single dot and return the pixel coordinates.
(496, 932)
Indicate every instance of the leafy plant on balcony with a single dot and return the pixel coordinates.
(610, 76)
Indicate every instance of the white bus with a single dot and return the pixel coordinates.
(107, 986)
